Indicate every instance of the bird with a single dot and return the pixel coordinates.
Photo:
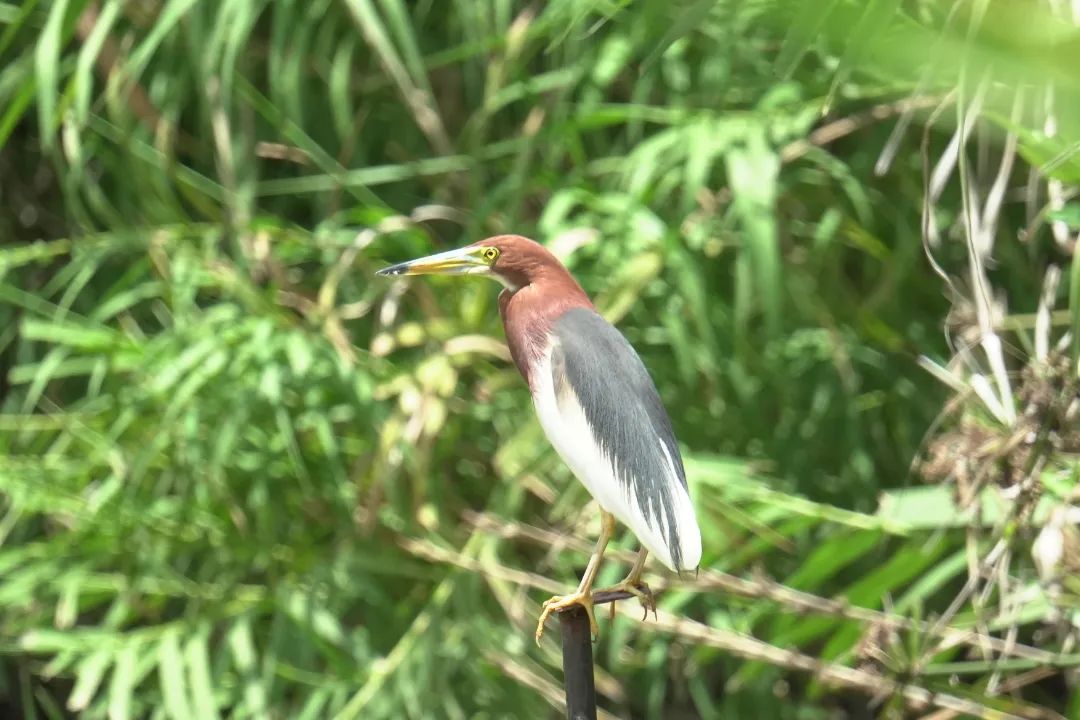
(597, 405)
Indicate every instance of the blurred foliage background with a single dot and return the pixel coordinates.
(240, 477)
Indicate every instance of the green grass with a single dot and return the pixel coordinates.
(240, 476)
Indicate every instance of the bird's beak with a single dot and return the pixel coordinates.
(463, 261)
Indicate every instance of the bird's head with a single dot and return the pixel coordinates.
(513, 260)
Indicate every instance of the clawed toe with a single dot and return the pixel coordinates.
(648, 601)
(558, 603)
(639, 590)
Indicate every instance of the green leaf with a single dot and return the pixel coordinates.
(1069, 214)
(242, 646)
(752, 172)
(197, 660)
(123, 683)
(308, 612)
(75, 335)
(90, 52)
(172, 676)
(805, 29)
(88, 676)
(47, 65)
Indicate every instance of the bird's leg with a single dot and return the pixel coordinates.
(583, 595)
(632, 584)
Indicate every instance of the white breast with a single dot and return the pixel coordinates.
(569, 432)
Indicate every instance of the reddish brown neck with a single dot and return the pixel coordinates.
(529, 312)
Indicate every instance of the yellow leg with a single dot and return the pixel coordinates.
(633, 585)
(583, 595)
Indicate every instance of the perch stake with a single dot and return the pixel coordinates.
(577, 657)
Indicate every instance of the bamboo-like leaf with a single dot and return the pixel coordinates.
(89, 673)
(197, 661)
(123, 683)
(752, 172)
(47, 61)
(805, 28)
(232, 486)
(242, 646)
(91, 50)
(173, 677)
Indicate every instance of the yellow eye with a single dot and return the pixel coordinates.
(490, 254)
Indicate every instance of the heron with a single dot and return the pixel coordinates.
(597, 404)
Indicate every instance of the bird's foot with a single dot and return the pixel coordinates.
(559, 603)
(638, 589)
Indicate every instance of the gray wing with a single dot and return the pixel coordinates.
(624, 411)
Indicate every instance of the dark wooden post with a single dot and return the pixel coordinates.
(577, 657)
(577, 662)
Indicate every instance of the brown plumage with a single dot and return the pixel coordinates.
(538, 290)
